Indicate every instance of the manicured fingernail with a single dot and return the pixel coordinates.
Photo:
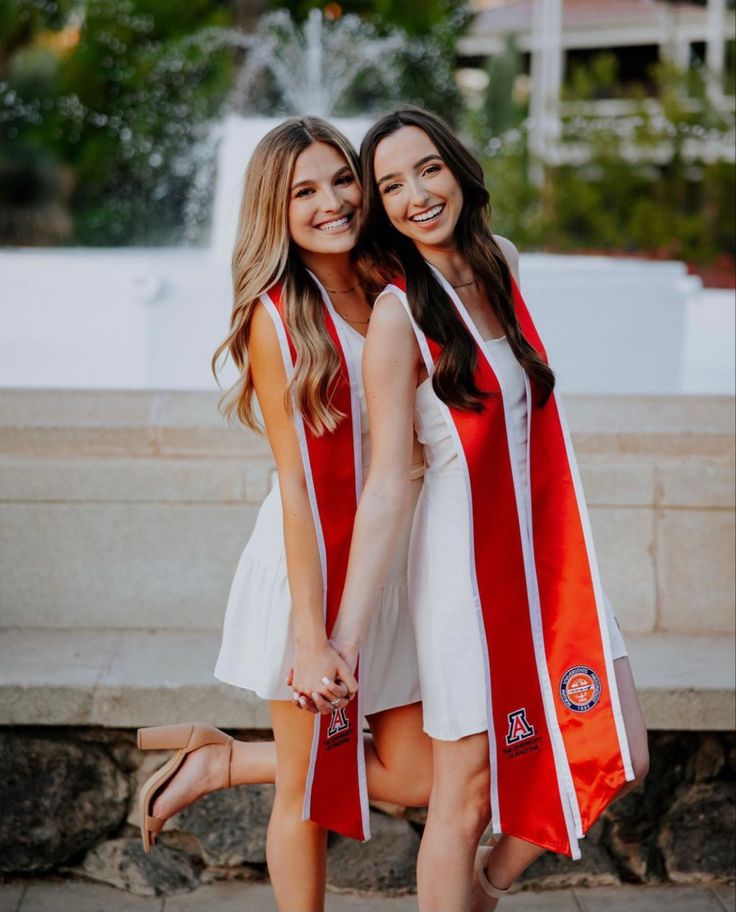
(326, 681)
(315, 697)
(303, 701)
(295, 697)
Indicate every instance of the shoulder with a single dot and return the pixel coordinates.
(510, 253)
(390, 341)
(262, 336)
(389, 314)
(262, 321)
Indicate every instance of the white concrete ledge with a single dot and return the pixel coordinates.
(83, 423)
(128, 678)
(118, 678)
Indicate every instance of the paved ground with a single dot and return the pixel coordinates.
(76, 896)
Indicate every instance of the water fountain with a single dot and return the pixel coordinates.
(311, 69)
(150, 317)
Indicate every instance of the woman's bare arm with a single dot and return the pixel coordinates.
(390, 364)
(314, 658)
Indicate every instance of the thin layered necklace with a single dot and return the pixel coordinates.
(347, 291)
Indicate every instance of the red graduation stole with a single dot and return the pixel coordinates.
(558, 748)
(336, 795)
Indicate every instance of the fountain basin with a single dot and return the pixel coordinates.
(151, 318)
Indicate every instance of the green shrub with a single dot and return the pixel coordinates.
(120, 109)
(655, 180)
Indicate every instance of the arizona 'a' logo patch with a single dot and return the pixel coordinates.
(339, 722)
(519, 727)
(580, 688)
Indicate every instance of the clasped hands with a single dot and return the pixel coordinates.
(322, 678)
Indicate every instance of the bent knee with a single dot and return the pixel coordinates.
(640, 763)
(640, 768)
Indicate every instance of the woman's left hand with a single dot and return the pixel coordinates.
(334, 694)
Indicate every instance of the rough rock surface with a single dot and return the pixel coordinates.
(387, 862)
(123, 863)
(230, 825)
(709, 759)
(696, 838)
(64, 792)
(632, 823)
(628, 835)
(59, 798)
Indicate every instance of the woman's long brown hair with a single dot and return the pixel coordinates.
(264, 255)
(386, 252)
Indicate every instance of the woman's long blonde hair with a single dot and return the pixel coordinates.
(264, 255)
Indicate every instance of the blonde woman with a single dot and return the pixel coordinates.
(297, 328)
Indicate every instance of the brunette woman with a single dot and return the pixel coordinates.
(527, 691)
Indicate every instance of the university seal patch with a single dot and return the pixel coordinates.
(580, 688)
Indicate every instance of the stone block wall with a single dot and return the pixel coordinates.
(130, 510)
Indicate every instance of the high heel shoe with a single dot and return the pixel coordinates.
(481, 860)
(183, 739)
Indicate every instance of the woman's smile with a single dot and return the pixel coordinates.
(336, 225)
(420, 194)
(428, 217)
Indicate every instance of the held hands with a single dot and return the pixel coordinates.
(322, 677)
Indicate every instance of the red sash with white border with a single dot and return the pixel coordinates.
(558, 747)
(336, 795)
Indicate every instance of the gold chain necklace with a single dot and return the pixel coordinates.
(358, 322)
(347, 291)
(344, 290)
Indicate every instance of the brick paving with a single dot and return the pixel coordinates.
(79, 896)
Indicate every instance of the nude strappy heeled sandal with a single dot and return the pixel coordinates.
(481, 860)
(183, 739)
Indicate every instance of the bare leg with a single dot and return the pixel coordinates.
(296, 849)
(205, 770)
(398, 764)
(459, 811)
(512, 856)
(398, 757)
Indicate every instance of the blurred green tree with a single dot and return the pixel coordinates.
(109, 97)
(416, 17)
(655, 180)
(106, 108)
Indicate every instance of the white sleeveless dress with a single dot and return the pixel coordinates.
(257, 647)
(451, 667)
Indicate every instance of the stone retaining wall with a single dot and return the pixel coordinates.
(130, 510)
(69, 804)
